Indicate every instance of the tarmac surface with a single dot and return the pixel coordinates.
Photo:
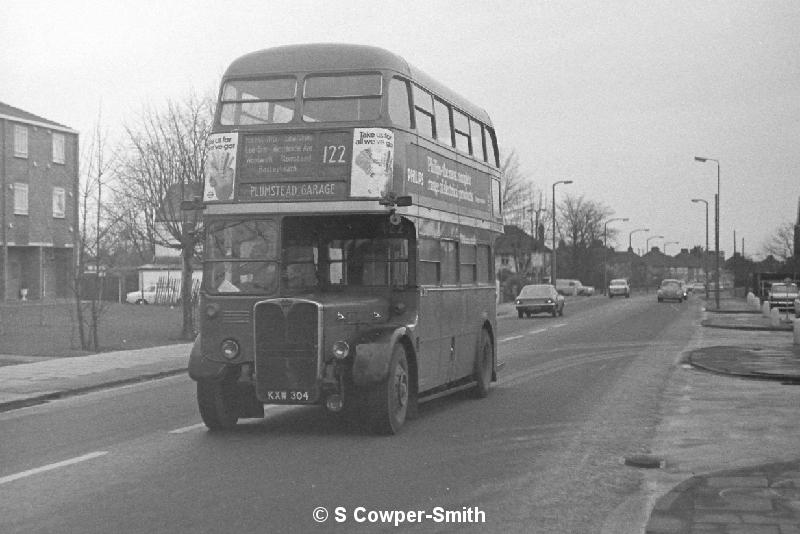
(751, 500)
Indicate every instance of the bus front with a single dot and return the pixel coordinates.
(310, 292)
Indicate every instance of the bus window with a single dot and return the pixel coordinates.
(484, 264)
(430, 254)
(258, 101)
(497, 205)
(342, 98)
(300, 266)
(444, 133)
(461, 130)
(476, 134)
(399, 110)
(377, 262)
(241, 257)
(467, 259)
(449, 262)
(423, 112)
(491, 148)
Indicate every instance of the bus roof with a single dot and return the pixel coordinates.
(333, 57)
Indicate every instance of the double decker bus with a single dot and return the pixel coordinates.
(351, 205)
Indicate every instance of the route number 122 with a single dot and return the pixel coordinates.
(333, 154)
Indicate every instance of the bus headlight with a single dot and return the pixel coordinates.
(230, 348)
(341, 350)
(212, 310)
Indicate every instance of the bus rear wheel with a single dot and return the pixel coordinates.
(388, 402)
(217, 404)
(483, 365)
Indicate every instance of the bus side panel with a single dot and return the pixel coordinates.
(480, 307)
(433, 360)
(452, 319)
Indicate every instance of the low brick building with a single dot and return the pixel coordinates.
(39, 208)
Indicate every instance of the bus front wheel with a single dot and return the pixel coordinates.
(388, 402)
(217, 403)
(483, 365)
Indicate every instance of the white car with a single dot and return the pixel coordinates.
(154, 295)
(619, 288)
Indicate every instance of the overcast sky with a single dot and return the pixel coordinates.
(617, 96)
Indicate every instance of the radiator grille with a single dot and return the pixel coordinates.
(286, 349)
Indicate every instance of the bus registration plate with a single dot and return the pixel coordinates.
(288, 396)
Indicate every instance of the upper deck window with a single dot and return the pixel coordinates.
(444, 133)
(353, 97)
(423, 111)
(265, 101)
(491, 148)
(461, 130)
(476, 135)
(399, 110)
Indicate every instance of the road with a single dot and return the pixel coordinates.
(543, 453)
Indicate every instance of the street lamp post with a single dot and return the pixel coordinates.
(630, 248)
(646, 251)
(630, 236)
(705, 253)
(605, 250)
(716, 229)
(553, 259)
(647, 242)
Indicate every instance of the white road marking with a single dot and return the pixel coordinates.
(50, 467)
(510, 338)
(558, 325)
(187, 428)
(539, 331)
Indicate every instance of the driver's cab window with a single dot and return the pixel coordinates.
(300, 266)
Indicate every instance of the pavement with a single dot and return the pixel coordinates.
(752, 500)
(761, 498)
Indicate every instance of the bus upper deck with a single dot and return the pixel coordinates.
(338, 123)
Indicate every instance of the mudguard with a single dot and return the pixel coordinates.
(372, 354)
(201, 368)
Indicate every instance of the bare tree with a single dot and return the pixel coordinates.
(94, 229)
(515, 187)
(163, 166)
(580, 224)
(781, 243)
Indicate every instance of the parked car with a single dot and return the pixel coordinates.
(154, 294)
(671, 289)
(797, 307)
(619, 287)
(782, 295)
(568, 287)
(697, 286)
(586, 291)
(539, 298)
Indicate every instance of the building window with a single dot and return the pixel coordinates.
(20, 141)
(59, 202)
(20, 199)
(58, 148)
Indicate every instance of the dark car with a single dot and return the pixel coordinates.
(782, 296)
(539, 298)
(671, 290)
